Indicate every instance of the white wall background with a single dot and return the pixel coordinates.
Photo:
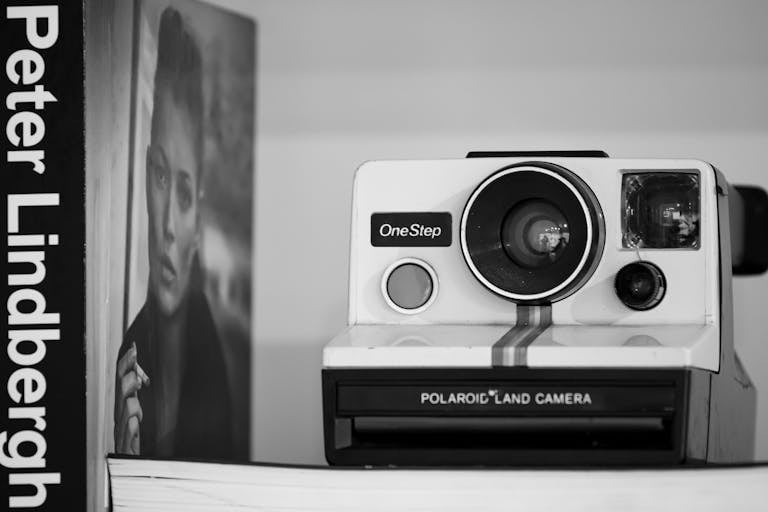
(340, 82)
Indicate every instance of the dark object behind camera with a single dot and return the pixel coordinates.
(749, 220)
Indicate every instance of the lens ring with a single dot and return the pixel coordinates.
(493, 199)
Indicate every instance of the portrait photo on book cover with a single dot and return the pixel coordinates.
(182, 373)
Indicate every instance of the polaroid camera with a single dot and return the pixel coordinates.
(543, 308)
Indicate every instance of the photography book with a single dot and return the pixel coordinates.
(128, 191)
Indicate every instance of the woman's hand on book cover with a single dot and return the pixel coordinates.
(130, 379)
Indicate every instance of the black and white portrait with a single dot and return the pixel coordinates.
(182, 374)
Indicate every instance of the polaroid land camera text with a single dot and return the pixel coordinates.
(494, 397)
(578, 311)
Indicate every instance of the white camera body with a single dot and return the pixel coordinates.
(591, 327)
(565, 271)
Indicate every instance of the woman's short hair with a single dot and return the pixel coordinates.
(179, 72)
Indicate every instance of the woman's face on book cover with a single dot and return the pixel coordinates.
(171, 180)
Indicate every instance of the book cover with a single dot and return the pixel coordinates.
(171, 184)
(182, 368)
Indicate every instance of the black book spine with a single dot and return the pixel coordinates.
(42, 214)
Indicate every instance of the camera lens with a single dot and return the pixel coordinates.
(640, 285)
(535, 234)
(532, 232)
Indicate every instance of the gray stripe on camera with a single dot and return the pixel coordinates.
(531, 322)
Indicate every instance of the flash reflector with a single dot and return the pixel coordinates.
(660, 210)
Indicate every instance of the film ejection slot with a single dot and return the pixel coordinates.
(409, 286)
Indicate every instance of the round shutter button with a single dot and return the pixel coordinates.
(409, 286)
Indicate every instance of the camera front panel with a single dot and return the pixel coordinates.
(409, 218)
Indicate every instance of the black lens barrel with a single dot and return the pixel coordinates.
(550, 250)
(640, 285)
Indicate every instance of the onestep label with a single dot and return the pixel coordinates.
(411, 229)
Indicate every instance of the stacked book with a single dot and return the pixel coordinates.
(144, 485)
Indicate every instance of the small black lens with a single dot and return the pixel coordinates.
(640, 285)
(535, 233)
